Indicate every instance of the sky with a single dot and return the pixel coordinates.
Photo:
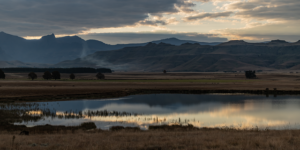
(137, 21)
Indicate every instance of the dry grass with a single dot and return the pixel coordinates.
(151, 140)
(18, 86)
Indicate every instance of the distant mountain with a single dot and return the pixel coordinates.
(19, 64)
(229, 56)
(3, 55)
(175, 41)
(50, 49)
(46, 50)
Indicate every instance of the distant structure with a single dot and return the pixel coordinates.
(2, 74)
(250, 74)
(100, 76)
(32, 76)
(72, 76)
(165, 71)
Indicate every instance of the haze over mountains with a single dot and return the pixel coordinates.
(50, 49)
(229, 56)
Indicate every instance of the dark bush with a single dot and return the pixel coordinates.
(250, 74)
(55, 75)
(32, 76)
(116, 128)
(2, 74)
(100, 76)
(72, 76)
(88, 125)
(47, 75)
(165, 71)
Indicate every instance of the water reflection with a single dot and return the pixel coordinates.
(237, 111)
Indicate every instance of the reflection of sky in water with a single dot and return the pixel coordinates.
(200, 110)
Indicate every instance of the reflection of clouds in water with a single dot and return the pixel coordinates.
(199, 110)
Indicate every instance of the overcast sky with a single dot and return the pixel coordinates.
(135, 21)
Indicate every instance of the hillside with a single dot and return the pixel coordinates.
(51, 50)
(229, 56)
(3, 55)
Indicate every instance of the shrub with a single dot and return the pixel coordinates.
(55, 75)
(100, 76)
(88, 125)
(2, 74)
(32, 76)
(47, 75)
(72, 76)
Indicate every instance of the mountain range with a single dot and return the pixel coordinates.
(228, 56)
(51, 50)
(171, 54)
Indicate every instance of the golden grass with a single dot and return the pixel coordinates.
(151, 140)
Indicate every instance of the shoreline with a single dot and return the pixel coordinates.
(124, 93)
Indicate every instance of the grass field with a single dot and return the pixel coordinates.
(18, 85)
(155, 140)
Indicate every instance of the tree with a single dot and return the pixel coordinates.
(250, 74)
(47, 75)
(2, 74)
(72, 76)
(165, 71)
(100, 76)
(55, 75)
(32, 76)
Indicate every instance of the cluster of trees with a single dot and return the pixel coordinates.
(61, 70)
(56, 75)
(48, 76)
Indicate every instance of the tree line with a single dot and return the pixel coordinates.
(51, 75)
(61, 70)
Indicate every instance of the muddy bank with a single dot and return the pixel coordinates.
(123, 93)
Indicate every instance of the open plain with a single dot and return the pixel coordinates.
(17, 86)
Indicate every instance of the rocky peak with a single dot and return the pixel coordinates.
(50, 37)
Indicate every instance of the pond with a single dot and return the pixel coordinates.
(235, 111)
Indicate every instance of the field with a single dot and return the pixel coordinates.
(155, 140)
(17, 87)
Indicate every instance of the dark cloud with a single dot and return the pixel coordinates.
(38, 17)
(208, 16)
(123, 38)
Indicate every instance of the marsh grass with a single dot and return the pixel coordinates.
(205, 139)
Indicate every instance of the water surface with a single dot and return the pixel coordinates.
(238, 111)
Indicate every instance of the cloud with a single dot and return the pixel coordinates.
(201, 16)
(267, 9)
(38, 17)
(124, 38)
(288, 31)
